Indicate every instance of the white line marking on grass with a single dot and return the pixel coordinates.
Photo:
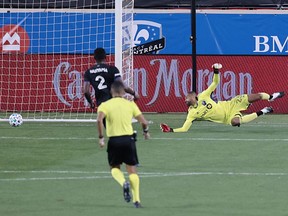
(55, 171)
(50, 138)
(219, 139)
(154, 138)
(57, 178)
(142, 175)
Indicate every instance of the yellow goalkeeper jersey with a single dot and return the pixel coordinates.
(210, 110)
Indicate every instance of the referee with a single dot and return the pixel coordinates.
(121, 144)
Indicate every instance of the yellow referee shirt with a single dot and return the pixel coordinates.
(119, 113)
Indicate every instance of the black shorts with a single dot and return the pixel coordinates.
(122, 149)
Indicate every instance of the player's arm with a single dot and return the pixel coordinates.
(117, 76)
(100, 117)
(86, 90)
(132, 92)
(137, 114)
(141, 119)
(128, 89)
(185, 127)
(216, 67)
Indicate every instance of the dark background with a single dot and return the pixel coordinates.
(200, 4)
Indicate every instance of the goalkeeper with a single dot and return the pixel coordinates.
(203, 107)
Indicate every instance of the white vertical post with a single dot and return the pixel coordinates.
(118, 34)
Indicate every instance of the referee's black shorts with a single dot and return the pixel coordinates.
(122, 149)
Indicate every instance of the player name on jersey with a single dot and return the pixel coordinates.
(99, 70)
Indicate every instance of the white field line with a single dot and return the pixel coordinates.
(220, 139)
(155, 138)
(50, 138)
(142, 175)
(55, 171)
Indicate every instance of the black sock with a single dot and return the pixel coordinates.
(271, 96)
(259, 113)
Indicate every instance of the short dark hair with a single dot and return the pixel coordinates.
(99, 54)
(118, 86)
(192, 92)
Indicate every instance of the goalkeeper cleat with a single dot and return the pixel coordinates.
(126, 191)
(137, 204)
(267, 110)
(276, 95)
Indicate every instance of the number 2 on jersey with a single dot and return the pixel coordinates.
(101, 84)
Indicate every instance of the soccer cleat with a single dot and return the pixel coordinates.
(126, 191)
(267, 110)
(137, 205)
(277, 95)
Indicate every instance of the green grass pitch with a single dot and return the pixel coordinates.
(213, 170)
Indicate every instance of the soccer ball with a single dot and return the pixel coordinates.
(15, 120)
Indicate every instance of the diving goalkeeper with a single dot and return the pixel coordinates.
(203, 107)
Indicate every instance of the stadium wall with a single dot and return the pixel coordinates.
(162, 81)
(252, 47)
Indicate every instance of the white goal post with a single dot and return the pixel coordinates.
(44, 53)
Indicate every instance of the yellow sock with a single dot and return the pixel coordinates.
(248, 118)
(264, 96)
(118, 176)
(135, 182)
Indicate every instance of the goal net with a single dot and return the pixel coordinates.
(46, 48)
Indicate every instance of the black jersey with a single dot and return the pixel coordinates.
(101, 76)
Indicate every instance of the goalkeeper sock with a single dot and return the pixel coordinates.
(135, 182)
(265, 96)
(248, 118)
(118, 175)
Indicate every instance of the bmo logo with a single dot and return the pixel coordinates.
(13, 39)
(273, 44)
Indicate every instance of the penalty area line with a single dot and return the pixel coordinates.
(146, 175)
(153, 138)
(219, 139)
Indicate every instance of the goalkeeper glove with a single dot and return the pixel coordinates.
(165, 128)
(216, 67)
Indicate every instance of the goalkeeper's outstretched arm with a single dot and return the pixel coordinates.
(216, 67)
(187, 124)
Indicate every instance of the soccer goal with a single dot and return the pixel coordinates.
(46, 48)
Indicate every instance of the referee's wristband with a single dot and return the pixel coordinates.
(100, 137)
(146, 130)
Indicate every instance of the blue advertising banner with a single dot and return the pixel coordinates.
(224, 34)
(243, 34)
(217, 34)
(53, 32)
